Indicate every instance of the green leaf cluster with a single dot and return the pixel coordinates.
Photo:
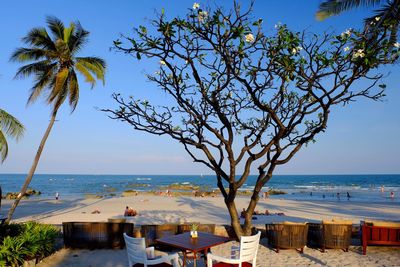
(20, 242)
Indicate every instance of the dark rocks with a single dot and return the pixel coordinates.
(29, 192)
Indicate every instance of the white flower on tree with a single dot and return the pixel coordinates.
(359, 54)
(162, 62)
(346, 49)
(202, 16)
(249, 38)
(296, 50)
(397, 45)
(196, 6)
(346, 33)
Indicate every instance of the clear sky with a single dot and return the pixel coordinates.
(361, 138)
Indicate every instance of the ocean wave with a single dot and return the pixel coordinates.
(143, 179)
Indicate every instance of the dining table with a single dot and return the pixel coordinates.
(188, 244)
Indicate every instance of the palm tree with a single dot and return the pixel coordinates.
(54, 65)
(9, 126)
(386, 16)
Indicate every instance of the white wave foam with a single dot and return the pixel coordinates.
(143, 179)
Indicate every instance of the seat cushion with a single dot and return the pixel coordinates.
(338, 222)
(294, 223)
(164, 264)
(223, 264)
(383, 224)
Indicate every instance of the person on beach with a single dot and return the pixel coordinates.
(392, 194)
(57, 195)
(126, 211)
(338, 196)
(382, 188)
(130, 212)
(348, 196)
(266, 194)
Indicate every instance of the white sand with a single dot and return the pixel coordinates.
(376, 256)
(155, 209)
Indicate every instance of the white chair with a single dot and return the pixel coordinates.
(139, 255)
(246, 257)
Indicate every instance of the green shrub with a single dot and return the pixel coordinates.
(25, 242)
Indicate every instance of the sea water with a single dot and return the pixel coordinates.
(361, 188)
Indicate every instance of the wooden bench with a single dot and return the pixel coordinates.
(380, 233)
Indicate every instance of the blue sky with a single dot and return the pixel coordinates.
(361, 138)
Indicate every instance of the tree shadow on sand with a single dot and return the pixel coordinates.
(203, 206)
(45, 208)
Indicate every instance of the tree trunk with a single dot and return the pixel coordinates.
(235, 219)
(245, 229)
(33, 167)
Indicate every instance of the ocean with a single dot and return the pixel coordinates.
(361, 188)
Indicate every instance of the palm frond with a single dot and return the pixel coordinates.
(32, 69)
(3, 147)
(43, 80)
(60, 98)
(330, 8)
(39, 38)
(95, 65)
(68, 32)
(56, 27)
(85, 73)
(28, 54)
(77, 40)
(10, 125)
(73, 90)
(59, 85)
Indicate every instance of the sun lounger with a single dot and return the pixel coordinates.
(287, 235)
(380, 233)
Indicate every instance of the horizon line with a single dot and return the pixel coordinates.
(201, 174)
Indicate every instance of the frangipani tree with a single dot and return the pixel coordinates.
(242, 101)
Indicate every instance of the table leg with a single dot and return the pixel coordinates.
(194, 258)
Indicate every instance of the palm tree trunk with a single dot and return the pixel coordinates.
(33, 167)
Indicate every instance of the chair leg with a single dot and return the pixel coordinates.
(184, 259)
(205, 256)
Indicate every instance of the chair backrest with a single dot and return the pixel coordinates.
(136, 250)
(249, 248)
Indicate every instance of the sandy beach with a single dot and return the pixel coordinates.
(157, 209)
